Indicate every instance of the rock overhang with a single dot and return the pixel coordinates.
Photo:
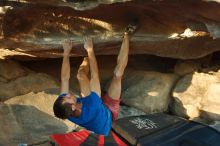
(177, 29)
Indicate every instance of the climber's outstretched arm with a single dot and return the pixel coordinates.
(65, 70)
(94, 82)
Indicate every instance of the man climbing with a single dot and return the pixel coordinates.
(90, 110)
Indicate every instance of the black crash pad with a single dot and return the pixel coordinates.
(165, 130)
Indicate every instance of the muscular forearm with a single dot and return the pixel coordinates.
(65, 74)
(93, 63)
(65, 71)
(94, 82)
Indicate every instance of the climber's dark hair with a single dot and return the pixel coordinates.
(62, 110)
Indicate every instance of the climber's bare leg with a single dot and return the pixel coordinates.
(114, 90)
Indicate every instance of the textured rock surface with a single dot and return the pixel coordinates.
(148, 91)
(29, 118)
(10, 69)
(211, 101)
(26, 124)
(33, 82)
(197, 95)
(216, 125)
(126, 111)
(43, 101)
(170, 28)
(185, 67)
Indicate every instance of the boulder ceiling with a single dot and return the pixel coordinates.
(184, 29)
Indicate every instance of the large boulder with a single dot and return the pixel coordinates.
(196, 95)
(148, 91)
(184, 67)
(26, 124)
(43, 101)
(32, 82)
(3, 80)
(39, 121)
(11, 69)
(166, 28)
(126, 111)
(211, 100)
